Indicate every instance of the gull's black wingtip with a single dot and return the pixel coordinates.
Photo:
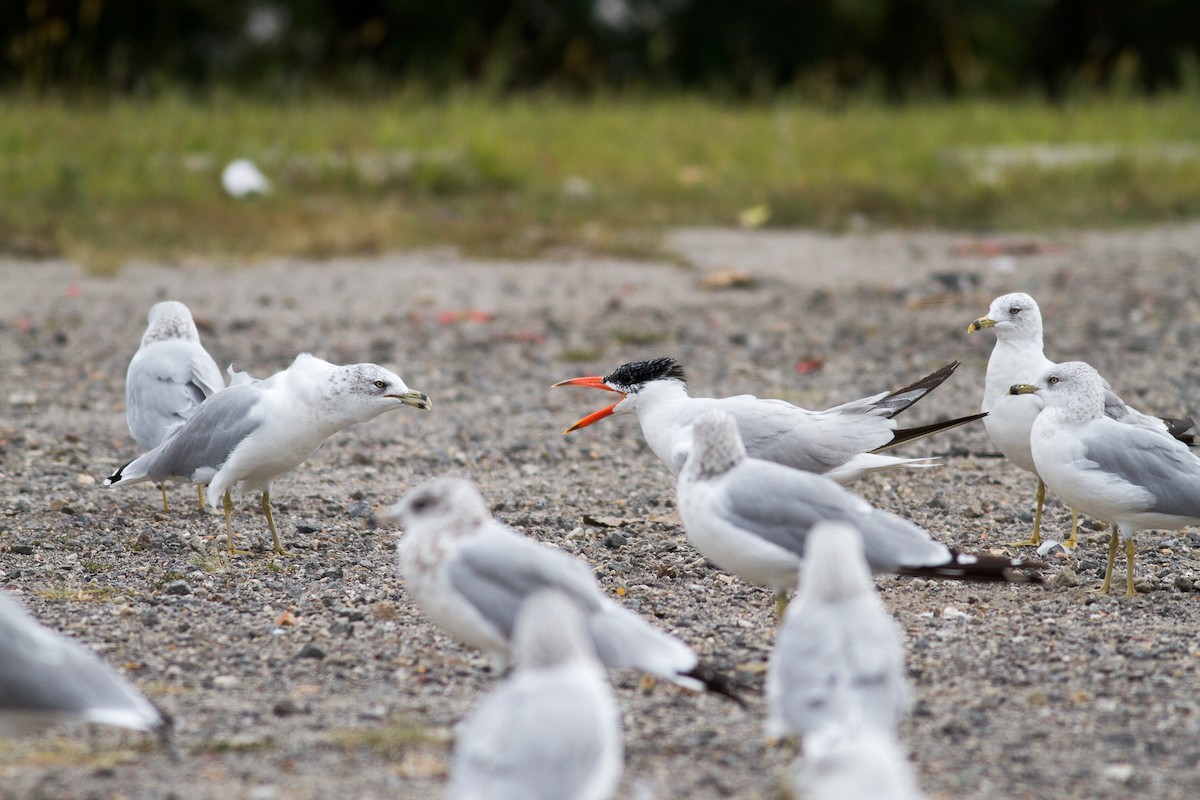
(715, 682)
(117, 476)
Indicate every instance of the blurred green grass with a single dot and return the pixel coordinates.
(104, 182)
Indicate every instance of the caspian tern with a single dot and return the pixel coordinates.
(842, 442)
(753, 517)
(1018, 357)
(470, 574)
(169, 375)
(1131, 476)
(250, 434)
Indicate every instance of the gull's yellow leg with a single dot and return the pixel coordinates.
(266, 506)
(1113, 541)
(1035, 538)
(1073, 542)
(1129, 558)
(229, 528)
(163, 488)
(781, 603)
(200, 491)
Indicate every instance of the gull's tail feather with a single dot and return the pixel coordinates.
(901, 399)
(982, 569)
(905, 435)
(715, 682)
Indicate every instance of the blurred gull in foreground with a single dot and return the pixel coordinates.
(841, 443)
(253, 432)
(838, 659)
(1130, 476)
(753, 518)
(551, 731)
(46, 678)
(1018, 357)
(863, 764)
(169, 376)
(470, 574)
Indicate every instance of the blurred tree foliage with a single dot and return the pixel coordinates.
(820, 48)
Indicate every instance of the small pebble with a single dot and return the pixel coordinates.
(311, 650)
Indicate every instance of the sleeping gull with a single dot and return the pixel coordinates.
(838, 659)
(251, 433)
(46, 678)
(842, 442)
(169, 375)
(1131, 476)
(470, 573)
(753, 518)
(1018, 357)
(551, 731)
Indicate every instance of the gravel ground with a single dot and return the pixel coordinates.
(314, 676)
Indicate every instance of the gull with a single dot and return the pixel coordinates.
(862, 764)
(470, 574)
(551, 731)
(1131, 476)
(1018, 357)
(242, 178)
(251, 433)
(753, 518)
(839, 657)
(842, 442)
(169, 375)
(46, 678)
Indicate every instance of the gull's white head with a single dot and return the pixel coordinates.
(170, 319)
(348, 394)
(834, 567)
(550, 630)
(1013, 316)
(630, 381)
(1074, 387)
(717, 446)
(450, 507)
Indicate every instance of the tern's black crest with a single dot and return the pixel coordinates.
(636, 373)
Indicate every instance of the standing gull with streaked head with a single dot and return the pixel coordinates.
(249, 434)
(1131, 476)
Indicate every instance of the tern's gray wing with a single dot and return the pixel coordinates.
(532, 740)
(781, 504)
(42, 673)
(496, 572)
(1163, 466)
(203, 443)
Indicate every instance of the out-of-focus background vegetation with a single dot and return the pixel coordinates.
(515, 127)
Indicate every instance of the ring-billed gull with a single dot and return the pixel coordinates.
(470, 574)
(46, 678)
(1019, 357)
(251, 433)
(838, 659)
(169, 375)
(551, 731)
(1131, 476)
(753, 517)
(862, 764)
(842, 442)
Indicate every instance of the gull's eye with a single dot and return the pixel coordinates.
(380, 385)
(1053, 380)
(421, 503)
(1012, 312)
